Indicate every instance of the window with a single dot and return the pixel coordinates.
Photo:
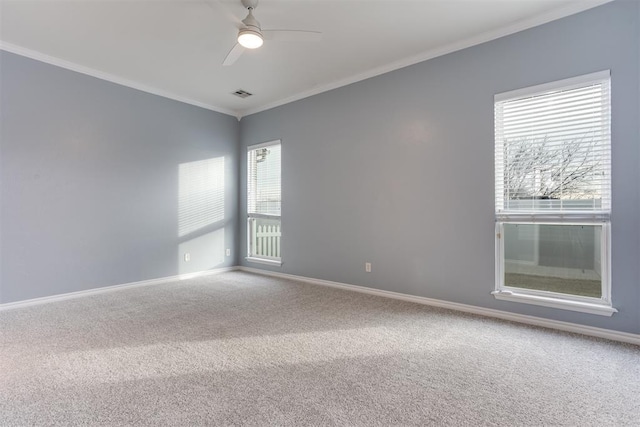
(264, 202)
(553, 194)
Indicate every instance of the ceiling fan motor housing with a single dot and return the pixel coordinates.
(251, 23)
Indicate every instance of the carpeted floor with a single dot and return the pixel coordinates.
(242, 349)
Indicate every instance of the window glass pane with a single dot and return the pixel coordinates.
(555, 258)
(264, 238)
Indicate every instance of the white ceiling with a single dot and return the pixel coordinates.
(175, 48)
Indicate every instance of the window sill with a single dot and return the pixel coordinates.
(581, 306)
(272, 262)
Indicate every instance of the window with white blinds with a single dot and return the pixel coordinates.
(553, 148)
(553, 194)
(264, 193)
(264, 200)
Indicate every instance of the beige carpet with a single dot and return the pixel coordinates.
(241, 349)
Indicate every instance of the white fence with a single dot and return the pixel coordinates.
(265, 238)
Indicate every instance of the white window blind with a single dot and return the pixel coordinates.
(553, 148)
(263, 190)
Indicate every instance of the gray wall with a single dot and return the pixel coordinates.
(95, 183)
(398, 170)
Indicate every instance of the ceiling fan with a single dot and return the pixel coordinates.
(251, 36)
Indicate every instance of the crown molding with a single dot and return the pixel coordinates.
(62, 63)
(526, 24)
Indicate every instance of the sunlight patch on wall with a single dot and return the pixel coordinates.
(200, 194)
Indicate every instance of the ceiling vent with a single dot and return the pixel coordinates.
(242, 93)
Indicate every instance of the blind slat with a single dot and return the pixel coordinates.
(557, 99)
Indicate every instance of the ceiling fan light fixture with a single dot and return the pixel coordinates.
(250, 39)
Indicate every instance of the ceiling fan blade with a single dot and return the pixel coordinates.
(292, 35)
(233, 55)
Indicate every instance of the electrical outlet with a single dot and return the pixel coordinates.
(187, 257)
(228, 252)
(367, 267)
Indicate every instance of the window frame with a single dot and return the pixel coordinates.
(580, 303)
(251, 216)
(600, 306)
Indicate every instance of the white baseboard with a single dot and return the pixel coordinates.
(150, 282)
(488, 312)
